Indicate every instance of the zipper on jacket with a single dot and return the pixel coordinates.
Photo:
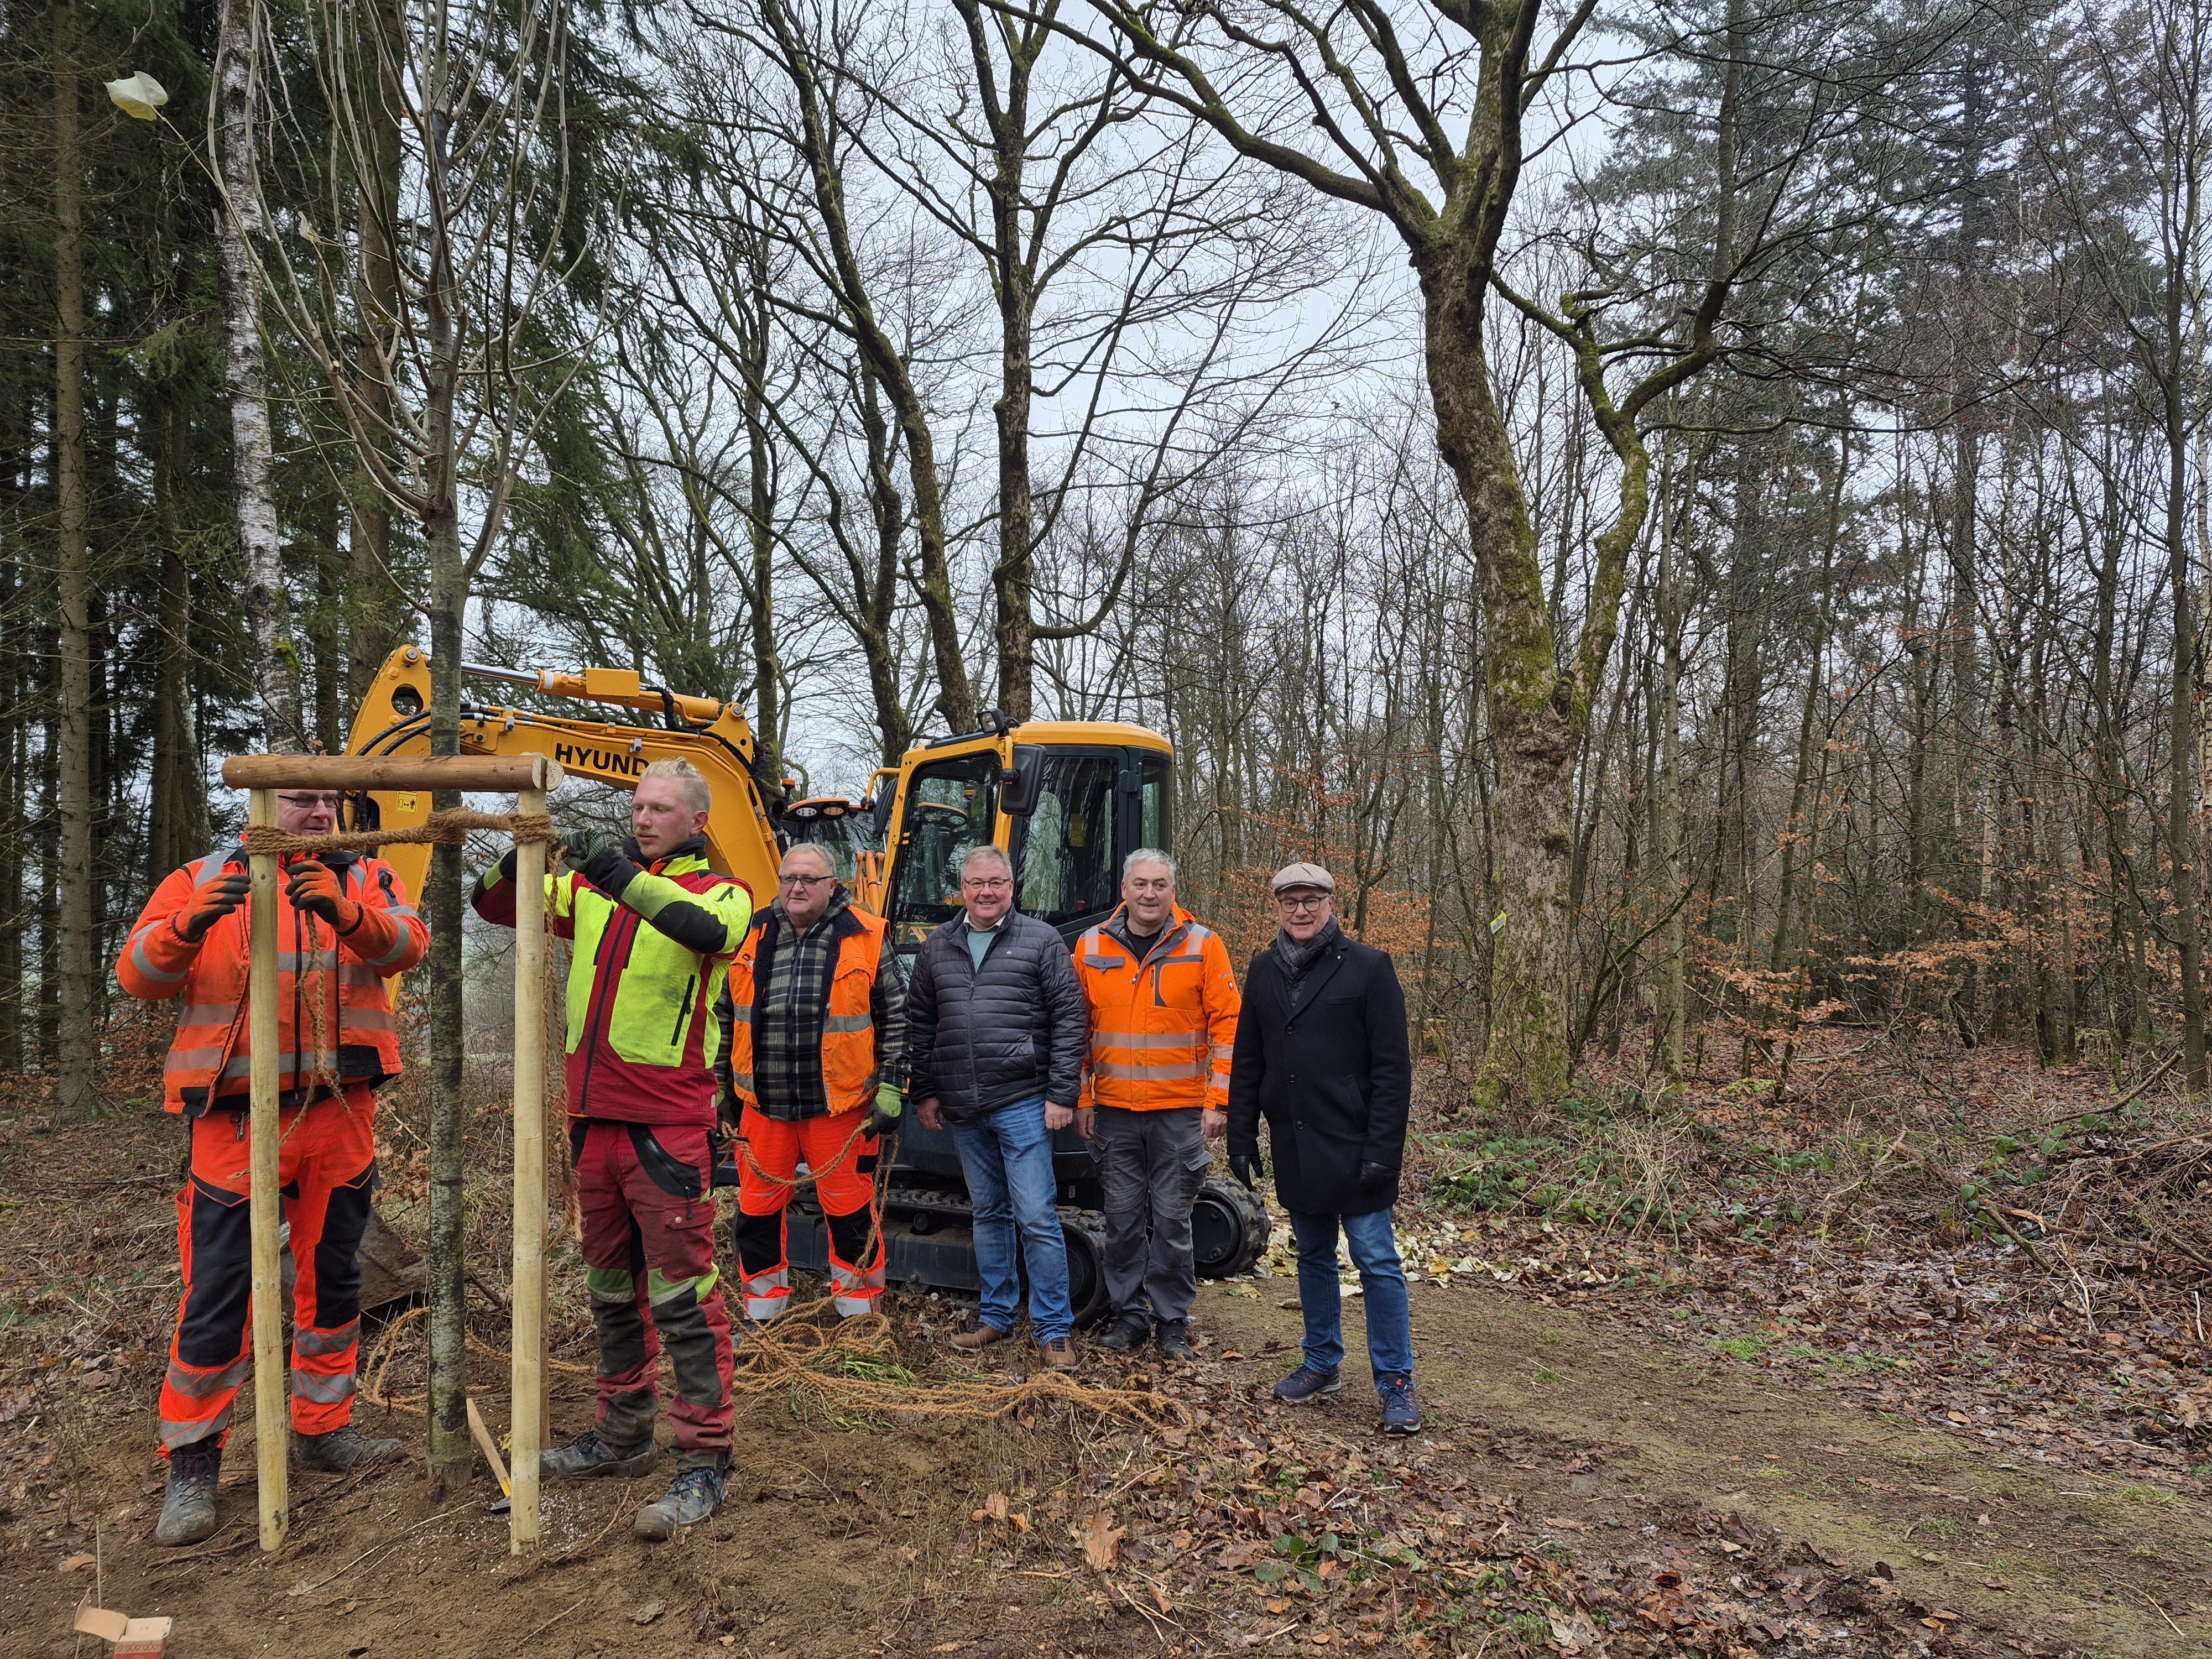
(683, 1009)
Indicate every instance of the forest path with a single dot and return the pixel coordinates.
(2046, 1555)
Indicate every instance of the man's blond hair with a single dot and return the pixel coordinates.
(698, 793)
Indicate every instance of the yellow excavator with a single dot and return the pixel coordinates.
(1066, 800)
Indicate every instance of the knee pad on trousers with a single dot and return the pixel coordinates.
(852, 1234)
(759, 1241)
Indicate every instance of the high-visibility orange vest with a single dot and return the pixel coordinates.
(1162, 1028)
(849, 1073)
(210, 1056)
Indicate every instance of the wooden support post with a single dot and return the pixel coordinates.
(272, 1406)
(527, 1338)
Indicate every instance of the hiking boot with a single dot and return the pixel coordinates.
(1174, 1339)
(588, 1455)
(1130, 1331)
(188, 1512)
(1060, 1354)
(1402, 1412)
(692, 1496)
(342, 1450)
(1307, 1383)
(981, 1336)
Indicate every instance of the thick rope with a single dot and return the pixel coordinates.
(449, 829)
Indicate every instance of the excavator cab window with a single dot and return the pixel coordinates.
(1155, 800)
(1064, 861)
(951, 807)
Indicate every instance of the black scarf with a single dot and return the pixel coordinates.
(1298, 959)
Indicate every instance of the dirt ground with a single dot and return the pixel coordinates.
(1646, 1459)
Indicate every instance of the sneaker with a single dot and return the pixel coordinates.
(1130, 1331)
(692, 1496)
(1306, 1383)
(188, 1512)
(981, 1336)
(1402, 1412)
(1060, 1354)
(343, 1449)
(1174, 1339)
(588, 1454)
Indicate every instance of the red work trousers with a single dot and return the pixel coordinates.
(648, 1207)
(327, 1168)
(843, 1164)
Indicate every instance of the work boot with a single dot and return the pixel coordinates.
(1308, 1382)
(589, 1454)
(1130, 1331)
(1401, 1412)
(1060, 1354)
(983, 1336)
(188, 1512)
(342, 1450)
(1174, 1339)
(692, 1496)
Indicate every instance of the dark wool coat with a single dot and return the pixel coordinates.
(979, 1039)
(1334, 1079)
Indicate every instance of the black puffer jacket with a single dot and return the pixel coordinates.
(979, 1039)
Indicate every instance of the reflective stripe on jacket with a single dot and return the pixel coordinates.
(642, 1030)
(1161, 1029)
(210, 1056)
(846, 999)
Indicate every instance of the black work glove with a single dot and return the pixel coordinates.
(1374, 1176)
(884, 1115)
(1245, 1166)
(212, 900)
(611, 869)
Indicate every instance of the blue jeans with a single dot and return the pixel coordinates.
(1383, 1285)
(1007, 1159)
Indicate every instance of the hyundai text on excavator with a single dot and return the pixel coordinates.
(1066, 800)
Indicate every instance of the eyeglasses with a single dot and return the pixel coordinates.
(309, 803)
(996, 884)
(1313, 902)
(805, 881)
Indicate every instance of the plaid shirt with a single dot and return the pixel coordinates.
(788, 1016)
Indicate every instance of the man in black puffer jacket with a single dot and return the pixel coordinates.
(997, 1024)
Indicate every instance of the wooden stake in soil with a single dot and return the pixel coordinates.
(527, 1339)
(272, 1411)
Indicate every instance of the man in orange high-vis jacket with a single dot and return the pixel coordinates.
(816, 1023)
(343, 924)
(1163, 1008)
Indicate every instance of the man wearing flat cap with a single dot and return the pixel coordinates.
(1321, 1055)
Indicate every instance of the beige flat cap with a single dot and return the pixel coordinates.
(1304, 875)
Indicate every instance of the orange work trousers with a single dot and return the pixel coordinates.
(326, 1166)
(843, 1164)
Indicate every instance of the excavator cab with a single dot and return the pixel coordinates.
(846, 829)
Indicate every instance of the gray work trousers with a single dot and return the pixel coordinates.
(1152, 1164)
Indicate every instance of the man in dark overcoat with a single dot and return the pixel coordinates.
(1321, 1055)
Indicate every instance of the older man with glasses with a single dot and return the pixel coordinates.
(814, 1014)
(996, 1029)
(1321, 1054)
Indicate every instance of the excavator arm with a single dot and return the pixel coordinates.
(394, 719)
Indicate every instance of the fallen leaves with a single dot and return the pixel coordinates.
(1101, 1540)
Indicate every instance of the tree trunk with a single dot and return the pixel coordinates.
(451, 1453)
(760, 509)
(237, 220)
(1530, 700)
(2181, 732)
(370, 634)
(177, 827)
(888, 510)
(1674, 952)
(75, 941)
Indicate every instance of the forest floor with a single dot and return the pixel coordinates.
(1911, 1361)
